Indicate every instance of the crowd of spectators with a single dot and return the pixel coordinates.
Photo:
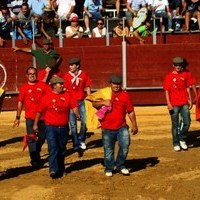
(18, 17)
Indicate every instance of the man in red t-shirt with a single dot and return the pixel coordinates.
(77, 83)
(29, 97)
(114, 126)
(177, 92)
(55, 106)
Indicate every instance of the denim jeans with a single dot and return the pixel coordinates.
(57, 140)
(163, 13)
(78, 138)
(180, 135)
(109, 138)
(35, 146)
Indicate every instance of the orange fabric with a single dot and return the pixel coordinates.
(28, 136)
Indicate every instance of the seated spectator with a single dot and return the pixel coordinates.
(175, 5)
(100, 30)
(6, 18)
(191, 9)
(120, 31)
(143, 31)
(74, 30)
(23, 24)
(161, 9)
(113, 2)
(15, 5)
(65, 9)
(37, 7)
(92, 10)
(132, 9)
(49, 23)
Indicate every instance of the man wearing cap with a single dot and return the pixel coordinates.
(74, 30)
(177, 92)
(77, 83)
(113, 124)
(47, 58)
(29, 97)
(55, 106)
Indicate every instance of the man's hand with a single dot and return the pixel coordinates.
(134, 130)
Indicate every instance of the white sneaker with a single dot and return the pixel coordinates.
(183, 145)
(170, 30)
(177, 148)
(82, 145)
(125, 172)
(87, 31)
(108, 174)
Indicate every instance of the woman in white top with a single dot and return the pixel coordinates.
(74, 30)
(100, 30)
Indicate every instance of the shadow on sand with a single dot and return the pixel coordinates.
(193, 139)
(11, 141)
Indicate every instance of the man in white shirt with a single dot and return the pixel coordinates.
(65, 9)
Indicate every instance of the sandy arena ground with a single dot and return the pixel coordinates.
(157, 172)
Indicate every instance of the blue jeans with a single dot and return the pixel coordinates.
(57, 140)
(78, 138)
(109, 138)
(163, 13)
(35, 146)
(180, 135)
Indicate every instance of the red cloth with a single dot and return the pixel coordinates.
(198, 106)
(116, 118)
(177, 84)
(55, 108)
(29, 136)
(191, 78)
(77, 91)
(30, 96)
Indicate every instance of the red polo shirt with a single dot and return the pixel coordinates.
(116, 118)
(55, 108)
(30, 96)
(77, 91)
(177, 85)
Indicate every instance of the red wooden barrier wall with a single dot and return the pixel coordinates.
(146, 66)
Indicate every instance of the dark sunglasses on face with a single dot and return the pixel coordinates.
(99, 23)
(176, 64)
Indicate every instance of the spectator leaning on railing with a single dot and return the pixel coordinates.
(23, 24)
(15, 5)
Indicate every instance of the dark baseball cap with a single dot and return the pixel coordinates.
(116, 79)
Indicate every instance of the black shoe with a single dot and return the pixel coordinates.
(53, 175)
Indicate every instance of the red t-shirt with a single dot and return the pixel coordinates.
(55, 108)
(177, 85)
(191, 78)
(30, 96)
(77, 91)
(116, 118)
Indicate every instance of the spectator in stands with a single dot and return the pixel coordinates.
(37, 7)
(92, 10)
(49, 22)
(23, 24)
(113, 2)
(132, 8)
(15, 5)
(175, 5)
(6, 18)
(74, 30)
(191, 9)
(161, 9)
(65, 9)
(120, 31)
(143, 31)
(100, 30)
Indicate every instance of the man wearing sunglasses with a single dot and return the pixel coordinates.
(178, 98)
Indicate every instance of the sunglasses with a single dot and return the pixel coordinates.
(176, 64)
(100, 23)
